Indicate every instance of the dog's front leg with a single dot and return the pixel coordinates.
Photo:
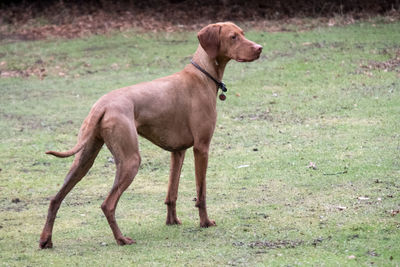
(200, 162)
(172, 195)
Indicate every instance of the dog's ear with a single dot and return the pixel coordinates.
(209, 39)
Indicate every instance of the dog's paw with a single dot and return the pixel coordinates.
(45, 243)
(207, 223)
(123, 240)
(173, 221)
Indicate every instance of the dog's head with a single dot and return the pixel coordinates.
(225, 40)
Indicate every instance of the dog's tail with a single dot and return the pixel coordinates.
(67, 153)
(86, 133)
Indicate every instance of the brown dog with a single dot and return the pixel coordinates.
(175, 113)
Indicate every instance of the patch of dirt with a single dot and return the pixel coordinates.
(23, 123)
(392, 64)
(15, 204)
(276, 244)
(259, 115)
(13, 37)
(37, 69)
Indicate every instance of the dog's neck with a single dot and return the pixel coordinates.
(214, 66)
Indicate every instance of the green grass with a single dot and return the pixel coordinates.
(308, 99)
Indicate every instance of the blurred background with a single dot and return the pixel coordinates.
(38, 19)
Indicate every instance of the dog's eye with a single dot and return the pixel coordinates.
(233, 37)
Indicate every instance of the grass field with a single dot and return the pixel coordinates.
(329, 97)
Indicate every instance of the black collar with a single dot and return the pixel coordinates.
(220, 85)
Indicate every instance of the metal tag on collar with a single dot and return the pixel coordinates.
(222, 96)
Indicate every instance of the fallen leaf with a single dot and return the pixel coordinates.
(372, 253)
(15, 200)
(312, 165)
(394, 212)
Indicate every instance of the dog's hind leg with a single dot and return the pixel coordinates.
(82, 163)
(121, 138)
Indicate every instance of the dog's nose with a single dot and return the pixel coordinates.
(258, 48)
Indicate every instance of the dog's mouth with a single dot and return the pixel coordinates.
(247, 59)
(243, 60)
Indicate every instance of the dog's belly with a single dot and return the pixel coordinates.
(168, 139)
